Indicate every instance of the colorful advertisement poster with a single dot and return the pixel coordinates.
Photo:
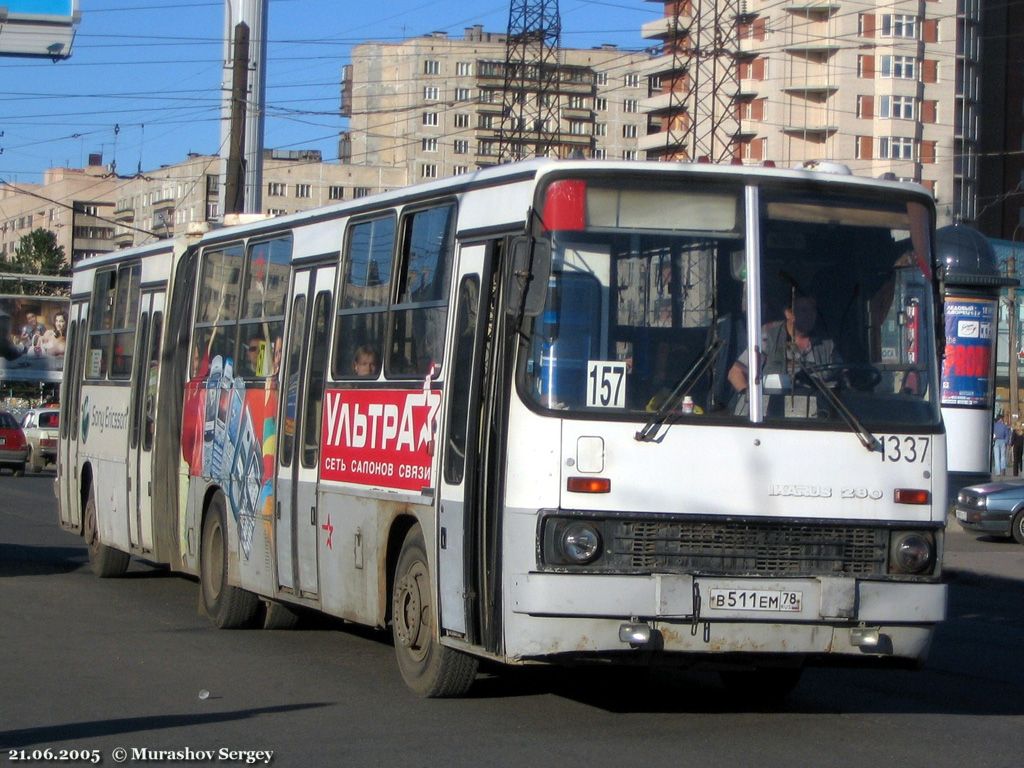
(229, 434)
(32, 338)
(380, 437)
(966, 369)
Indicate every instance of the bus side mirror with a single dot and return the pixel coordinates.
(527, 278)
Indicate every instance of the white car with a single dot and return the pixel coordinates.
(41, 427)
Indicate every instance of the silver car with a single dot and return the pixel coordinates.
(42, 428)
(995, 508)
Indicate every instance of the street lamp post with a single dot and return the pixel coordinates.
(1012, 359)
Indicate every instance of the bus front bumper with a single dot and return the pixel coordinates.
(682, 613)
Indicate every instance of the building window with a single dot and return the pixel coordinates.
(899, 25)
(429, 145)
(630, 105)
(631, 80)
(464, 68)
(430, 93)
(600, 129)
(463, 94)
(578, 127)
(896, 148)
(601, 104)
(461, 120)
(485, 148)
(629, 131)
(461, 146)
(428, 171)
(276, 212)
(303, 190)
(629, 154)
(460, 169)
(577, 101)
(897, 107)
(430, 118)
(600, 78)
(485, 121)
(360, 192)
(599, 154)
(276, 189)
(431, 67)
(899, 67)
(335, 193)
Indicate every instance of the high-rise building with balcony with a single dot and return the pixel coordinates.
(433, 104)
(886, 88)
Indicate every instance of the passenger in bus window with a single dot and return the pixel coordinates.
(787, 344)
(364, 363)
(255, 356)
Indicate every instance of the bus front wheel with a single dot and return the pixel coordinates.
(428, 668)
(105, 561)
(229, 607)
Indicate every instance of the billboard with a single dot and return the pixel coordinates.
(32, 338)
(38, 27)
(967, 367)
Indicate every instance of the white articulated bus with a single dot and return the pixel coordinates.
(513, 415)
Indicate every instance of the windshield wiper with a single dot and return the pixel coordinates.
(867, 439)
(679, 391)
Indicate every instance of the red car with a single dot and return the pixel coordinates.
(13, 448)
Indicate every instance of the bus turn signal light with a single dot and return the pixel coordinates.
(912, 496)
(589, 485)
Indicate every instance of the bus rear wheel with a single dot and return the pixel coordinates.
(106, 562)
(428, 668)
(229, 607)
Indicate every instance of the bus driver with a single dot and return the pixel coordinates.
(785, 342)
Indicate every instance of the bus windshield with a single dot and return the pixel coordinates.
(654, 287)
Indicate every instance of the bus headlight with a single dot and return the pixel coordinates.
(580, 542)
(911, 552)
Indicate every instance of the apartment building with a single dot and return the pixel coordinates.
(92, 210)
(73, 203)
(1001, 166)
(162, 203)
(886, 88)
(433, 105)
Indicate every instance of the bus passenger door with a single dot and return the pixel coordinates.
(307, 351)
(461, 527)
(143, 420)
(70, 419)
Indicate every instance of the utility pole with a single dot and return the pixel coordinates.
(1012, 357)
(243, 95)
(234, 178)
(530, 108)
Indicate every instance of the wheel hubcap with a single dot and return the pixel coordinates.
(411, 611)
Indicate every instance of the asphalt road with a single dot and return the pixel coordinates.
(93, 664)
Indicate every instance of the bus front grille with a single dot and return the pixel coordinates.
(746, 548)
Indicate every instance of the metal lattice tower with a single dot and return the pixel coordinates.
(530, 108)
(715, 80)
(703, 40)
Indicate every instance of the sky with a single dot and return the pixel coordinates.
(142, 85)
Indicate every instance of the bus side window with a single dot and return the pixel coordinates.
(317, 374)
(461, 378)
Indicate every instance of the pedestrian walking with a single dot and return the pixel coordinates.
(1000, 441)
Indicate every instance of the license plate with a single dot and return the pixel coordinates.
(49, 442)
(961, 515)
(3, 441)
(756, 600)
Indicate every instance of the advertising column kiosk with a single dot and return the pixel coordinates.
(972, 282)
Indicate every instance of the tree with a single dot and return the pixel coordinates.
(37, 254)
